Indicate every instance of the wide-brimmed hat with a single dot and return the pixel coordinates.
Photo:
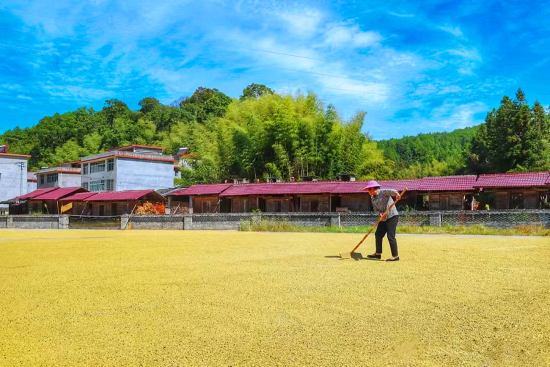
(371, 184)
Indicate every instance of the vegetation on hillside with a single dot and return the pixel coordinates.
(264, 135)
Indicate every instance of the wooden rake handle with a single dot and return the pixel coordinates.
(378, 221)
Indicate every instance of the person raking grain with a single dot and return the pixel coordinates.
(381, 200)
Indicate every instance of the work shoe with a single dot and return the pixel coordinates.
(374, 256)
(395, 258)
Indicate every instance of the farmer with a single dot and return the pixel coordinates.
(381, 201)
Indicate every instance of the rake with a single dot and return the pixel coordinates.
(349, 255)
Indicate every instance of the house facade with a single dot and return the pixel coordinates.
(134, 167)
(110, 203)
(13, 178)
(66, 175)
(525, 190)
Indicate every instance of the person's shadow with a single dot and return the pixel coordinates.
(355, 256)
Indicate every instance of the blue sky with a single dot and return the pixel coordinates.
(413, 66)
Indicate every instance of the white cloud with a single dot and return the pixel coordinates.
(346, 36)
(455, 31)
(401, 15)
(20, 96)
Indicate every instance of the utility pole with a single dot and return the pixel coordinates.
(22, 166)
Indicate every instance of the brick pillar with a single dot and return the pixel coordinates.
(63, 222)
(435, 219)
(187, 222)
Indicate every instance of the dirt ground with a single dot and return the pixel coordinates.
(186, 298)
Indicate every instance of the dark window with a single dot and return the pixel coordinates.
(314, 205)
(110, 164)
(516, 201)
(113, 209)
(101, 210)
(41, 179)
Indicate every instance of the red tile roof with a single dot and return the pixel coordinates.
(448, 183)
(123, 195)
(411, 185)
(523, 179)
(208, 189)
(35, 193)
(288, 188)
(82, 196)
(59, 193)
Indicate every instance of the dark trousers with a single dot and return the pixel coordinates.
(387, 227)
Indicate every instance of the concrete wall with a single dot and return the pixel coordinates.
(31, 186)
(135, 174)
(70, 180)
(38, 221)
(13, 179)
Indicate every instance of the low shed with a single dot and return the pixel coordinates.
(525, 190)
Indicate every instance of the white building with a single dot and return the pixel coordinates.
(66, 175)
(31, 181)
(13, 177)
(134, 167)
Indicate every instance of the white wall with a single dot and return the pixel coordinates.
(13, 180)
(135, 174)
(69, 180)
(31, 186)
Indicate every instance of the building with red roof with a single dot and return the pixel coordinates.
(447, 192)
(133, 167)
(50, 202)
(522, 190)
(111, 203)
(65, 175)
(13, 177)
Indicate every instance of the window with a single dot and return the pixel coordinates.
(110, 185)
(101, 210)
(41, 179)
(85, 185)
(97, 167)
(85, 169)
(0, 176)
(51, 177)
(110, 164)
(96, 186)
(516, 201)
(113, 209)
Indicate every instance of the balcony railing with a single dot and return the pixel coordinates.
(53, 169)
(127, 154)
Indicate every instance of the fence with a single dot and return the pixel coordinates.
(235, 221)
(94, 222)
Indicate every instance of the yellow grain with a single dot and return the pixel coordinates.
(189, 298)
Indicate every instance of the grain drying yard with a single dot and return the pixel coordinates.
(118, 298)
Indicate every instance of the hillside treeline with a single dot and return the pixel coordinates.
(264, 135)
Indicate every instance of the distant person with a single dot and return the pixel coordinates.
(381, 201)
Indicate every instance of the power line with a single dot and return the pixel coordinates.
(204, 58)
(203, 42)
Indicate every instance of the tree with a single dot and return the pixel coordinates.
(205, 103)
(148, 104)
(256, 91)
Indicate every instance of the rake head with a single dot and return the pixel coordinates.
(351, 255)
